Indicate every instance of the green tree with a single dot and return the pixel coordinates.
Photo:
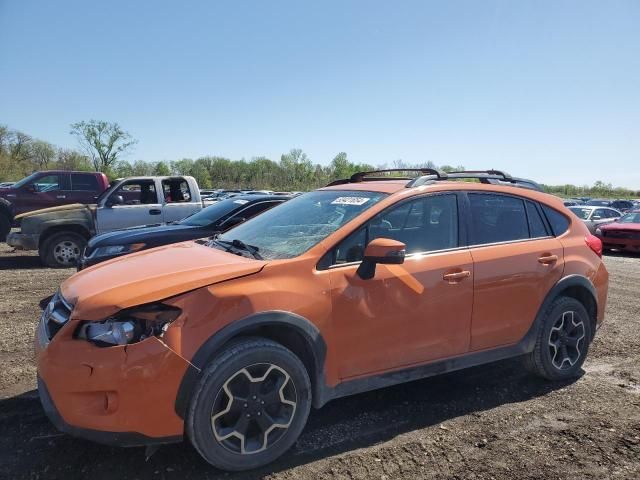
(104, 142)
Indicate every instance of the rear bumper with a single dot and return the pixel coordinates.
(23, 241)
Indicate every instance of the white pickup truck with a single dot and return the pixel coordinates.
(61, 233)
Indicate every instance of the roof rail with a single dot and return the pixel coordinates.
(359, 177)
(493, 177)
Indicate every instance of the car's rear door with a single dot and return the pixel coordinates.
(406, 314)
(179, 200)
(516, 261)
(84, 188)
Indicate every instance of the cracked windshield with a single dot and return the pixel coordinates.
(299, 224)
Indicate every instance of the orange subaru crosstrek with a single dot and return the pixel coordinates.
(369, 282)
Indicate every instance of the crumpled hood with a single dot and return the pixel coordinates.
(61, 208)
(149, 276)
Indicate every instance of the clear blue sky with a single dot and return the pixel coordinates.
(544, 89)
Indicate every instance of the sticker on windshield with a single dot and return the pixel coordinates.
(241, 202)
(350, 201)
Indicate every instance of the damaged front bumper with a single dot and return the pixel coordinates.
(121, 395)
(23, 241)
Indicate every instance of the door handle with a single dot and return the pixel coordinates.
(547, 259)
(456, 276)
(61, 196)
(155, 211)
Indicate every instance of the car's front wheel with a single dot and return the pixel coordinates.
(250, 405)
(563, 340)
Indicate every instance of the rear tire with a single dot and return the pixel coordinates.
(62, 250)
(563, 341)
(250, 405)
(5, 227)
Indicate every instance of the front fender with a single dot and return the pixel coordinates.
(216, 342)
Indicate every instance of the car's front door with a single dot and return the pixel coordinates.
(406, 314)
(516, 262)
(140, 206)
(46, 191)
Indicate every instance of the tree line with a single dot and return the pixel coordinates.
(103, 145)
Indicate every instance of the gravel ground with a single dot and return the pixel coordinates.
(487, 422)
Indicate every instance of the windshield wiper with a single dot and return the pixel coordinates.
(237, 245)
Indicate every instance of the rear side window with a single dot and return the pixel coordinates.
(536, 224)
(84, 182)
(497, 218)
(559, 223)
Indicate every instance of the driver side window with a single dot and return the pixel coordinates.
(423, 225)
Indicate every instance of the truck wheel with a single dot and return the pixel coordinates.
(250, 405)
(5, 227)
(62, 250)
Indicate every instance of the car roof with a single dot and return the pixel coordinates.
(399, 188)
(255, 197)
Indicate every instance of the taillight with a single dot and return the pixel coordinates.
(594, 243)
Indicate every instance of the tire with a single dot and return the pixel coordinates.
(275, 389)
(5, 227)
(62, 250)
(563, 341)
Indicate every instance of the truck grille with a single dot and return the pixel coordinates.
(55, 315)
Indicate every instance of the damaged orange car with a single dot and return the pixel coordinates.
(369, 282)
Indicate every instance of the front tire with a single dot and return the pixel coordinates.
(62, 250)
(250, 405)
(563, 340)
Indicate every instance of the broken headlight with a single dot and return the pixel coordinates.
(129, 326)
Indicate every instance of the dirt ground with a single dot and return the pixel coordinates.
(492, 422)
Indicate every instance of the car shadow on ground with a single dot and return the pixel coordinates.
(20, 262)
(30, 446)
(620, 253)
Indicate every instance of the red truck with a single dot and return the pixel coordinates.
(48, 189)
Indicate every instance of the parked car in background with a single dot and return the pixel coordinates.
(48, 189)
(61, 233)
(598, 202)
(571, 203)
(594, 216)
(623, 234)
(217, 218)
(369, 282)
(623, 205)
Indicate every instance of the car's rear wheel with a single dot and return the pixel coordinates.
(250, 405)
(62, 250)
(563, 340)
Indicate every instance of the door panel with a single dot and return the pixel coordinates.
(407, 314)
(510, 282)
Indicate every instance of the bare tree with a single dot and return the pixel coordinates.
(42, 153)
(104, 142)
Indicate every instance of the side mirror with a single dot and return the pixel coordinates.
(31, 188)
(380, 250)
(115, 200)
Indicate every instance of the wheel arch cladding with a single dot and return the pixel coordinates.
(579, 288)
(55, 229)
(288, 329)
